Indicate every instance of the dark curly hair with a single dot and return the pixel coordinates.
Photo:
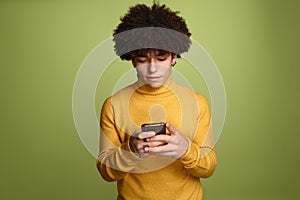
(145, 27)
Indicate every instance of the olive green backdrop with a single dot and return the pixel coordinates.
(255, 44)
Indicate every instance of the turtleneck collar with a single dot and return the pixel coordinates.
(145, 89)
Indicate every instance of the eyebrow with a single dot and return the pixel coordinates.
(141, 55)
(161, 53)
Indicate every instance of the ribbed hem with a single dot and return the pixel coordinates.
(191, 155)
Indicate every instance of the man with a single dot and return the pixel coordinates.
(146, 165)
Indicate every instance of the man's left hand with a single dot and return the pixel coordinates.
(175, 147)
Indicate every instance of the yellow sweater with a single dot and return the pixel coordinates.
(156, 177)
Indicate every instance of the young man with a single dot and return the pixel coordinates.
(147, 165)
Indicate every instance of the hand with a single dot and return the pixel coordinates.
(175, 144)
(138, 142)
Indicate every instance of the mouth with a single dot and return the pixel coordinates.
(153, 78)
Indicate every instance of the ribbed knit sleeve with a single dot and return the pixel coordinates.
(200, 159)
(115, 158)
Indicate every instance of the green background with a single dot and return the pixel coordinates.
(255, 44)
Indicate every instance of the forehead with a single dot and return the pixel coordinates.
(147, 52)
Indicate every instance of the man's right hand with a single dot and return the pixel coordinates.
(138, 143)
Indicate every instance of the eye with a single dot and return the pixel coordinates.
(141, 60)
(162, 58)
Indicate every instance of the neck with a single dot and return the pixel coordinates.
(147, 89)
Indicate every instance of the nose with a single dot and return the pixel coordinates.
(152, 66)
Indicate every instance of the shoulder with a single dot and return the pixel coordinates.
(124, 91)
(186, 90)
(119, 97)
(193, 99)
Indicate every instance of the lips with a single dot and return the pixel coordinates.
(153, 78)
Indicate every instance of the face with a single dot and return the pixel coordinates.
(153, 67)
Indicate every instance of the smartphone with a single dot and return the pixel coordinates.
(158, 128)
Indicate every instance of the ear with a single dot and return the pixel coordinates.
(173, 60)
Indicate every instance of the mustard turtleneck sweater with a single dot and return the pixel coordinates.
(156, 177)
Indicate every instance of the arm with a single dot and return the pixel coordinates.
(196, 154)
(115, 159)
(200, 159)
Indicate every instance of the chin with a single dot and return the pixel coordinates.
(154, 85)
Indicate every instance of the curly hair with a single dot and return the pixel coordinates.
(145, 27)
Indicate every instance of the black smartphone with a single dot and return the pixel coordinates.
(158, 128)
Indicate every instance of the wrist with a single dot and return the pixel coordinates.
(185, 146)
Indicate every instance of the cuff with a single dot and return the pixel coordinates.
(191, 155)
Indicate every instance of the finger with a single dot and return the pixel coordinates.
(163, 138)
(155, 144)
(148, 134)
(136, 133)
(140, 145)
(171, 129)
(163, 148)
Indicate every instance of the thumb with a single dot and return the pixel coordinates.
(171, 129)
(148, 134)
(136, 133)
